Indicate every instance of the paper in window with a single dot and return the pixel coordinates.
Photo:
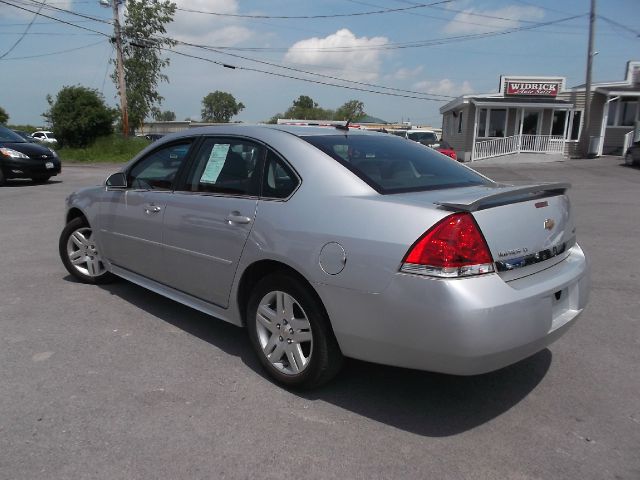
(215, 163)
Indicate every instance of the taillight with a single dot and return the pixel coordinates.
(453, 247)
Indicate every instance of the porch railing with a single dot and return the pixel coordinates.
(628, 140)
(496, 147)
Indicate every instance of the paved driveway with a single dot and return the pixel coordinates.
(117, 382)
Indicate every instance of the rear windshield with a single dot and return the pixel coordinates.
(392, 165)
(426, 138)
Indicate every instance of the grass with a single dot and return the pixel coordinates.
(111, 149)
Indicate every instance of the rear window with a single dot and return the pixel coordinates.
(392, 165)
(426, 138)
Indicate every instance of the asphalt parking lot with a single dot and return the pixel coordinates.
(117, 382)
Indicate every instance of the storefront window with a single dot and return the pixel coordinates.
(559, 117)
(482, 122)
(497, 122)
(628, 113)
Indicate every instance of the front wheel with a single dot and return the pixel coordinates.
(80, 255)
(290, 332)
(628, 159)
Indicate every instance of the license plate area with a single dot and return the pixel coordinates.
(48, 165)
(563, 306)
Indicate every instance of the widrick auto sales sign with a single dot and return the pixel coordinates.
(546, 89)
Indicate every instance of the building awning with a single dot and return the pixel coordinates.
(620, 91)
(522, 102)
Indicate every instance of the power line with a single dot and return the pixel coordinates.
(302, 17)
(57, 19)
(55, 53)
(624, 27)
(17, 42)
(309, 80)
(77, 14)
(272, 64)
(403, 45)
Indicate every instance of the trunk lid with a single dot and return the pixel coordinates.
(527, 227)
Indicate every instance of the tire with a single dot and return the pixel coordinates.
(41, 178)
(294, 328)
(628, 159)
(79, 254)
(3, 181)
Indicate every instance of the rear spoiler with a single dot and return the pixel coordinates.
(503, 193)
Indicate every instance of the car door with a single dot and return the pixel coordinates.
(208, 219)
(131, 219)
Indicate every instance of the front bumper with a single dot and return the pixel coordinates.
(30, 167)
(459, 326)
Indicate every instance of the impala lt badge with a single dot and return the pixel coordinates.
(549, 224)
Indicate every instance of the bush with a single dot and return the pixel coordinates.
(113, 149)
(79, 116)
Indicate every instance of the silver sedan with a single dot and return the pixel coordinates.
(332, 242)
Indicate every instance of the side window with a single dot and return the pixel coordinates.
(226, 165)
(279, 180)
(37, 135)
(157, 171)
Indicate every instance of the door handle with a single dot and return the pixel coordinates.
(150, 209)
(236, 217)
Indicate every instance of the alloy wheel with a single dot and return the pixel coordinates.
(82, 253)
(284, 332)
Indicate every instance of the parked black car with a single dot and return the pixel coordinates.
(22, 159)
(632, 156)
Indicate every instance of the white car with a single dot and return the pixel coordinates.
(44, 136)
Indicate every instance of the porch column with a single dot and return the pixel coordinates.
(475, 130)
(520, 130)
(566, 124)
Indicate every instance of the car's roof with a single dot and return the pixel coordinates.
(250, 130)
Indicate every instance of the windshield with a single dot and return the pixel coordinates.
(392, 165)
(7, 135)
(426, 138)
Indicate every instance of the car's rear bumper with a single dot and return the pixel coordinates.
(460, 326)
(28, 168)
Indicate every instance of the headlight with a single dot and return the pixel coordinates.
(53, 151)
(9, 152)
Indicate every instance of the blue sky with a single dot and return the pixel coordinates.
(366, 44)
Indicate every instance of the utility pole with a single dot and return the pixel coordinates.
(587, 92)
(122, 86)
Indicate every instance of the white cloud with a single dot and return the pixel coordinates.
(468, 20)
(404, 73)
(208, 29)
(344, 54)
(444, 87)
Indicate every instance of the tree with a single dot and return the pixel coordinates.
(79, 116)
(307, 109)
(143, 28)
(219, 107)
(4, 116)
(166, 116)
(352, 110)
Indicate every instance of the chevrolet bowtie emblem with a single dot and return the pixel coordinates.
(549, 224)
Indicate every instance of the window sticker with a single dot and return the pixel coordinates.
(215, 163)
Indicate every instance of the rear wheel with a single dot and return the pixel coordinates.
(290, 332)
(80, 255)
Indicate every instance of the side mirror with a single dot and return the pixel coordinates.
(116, 180)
